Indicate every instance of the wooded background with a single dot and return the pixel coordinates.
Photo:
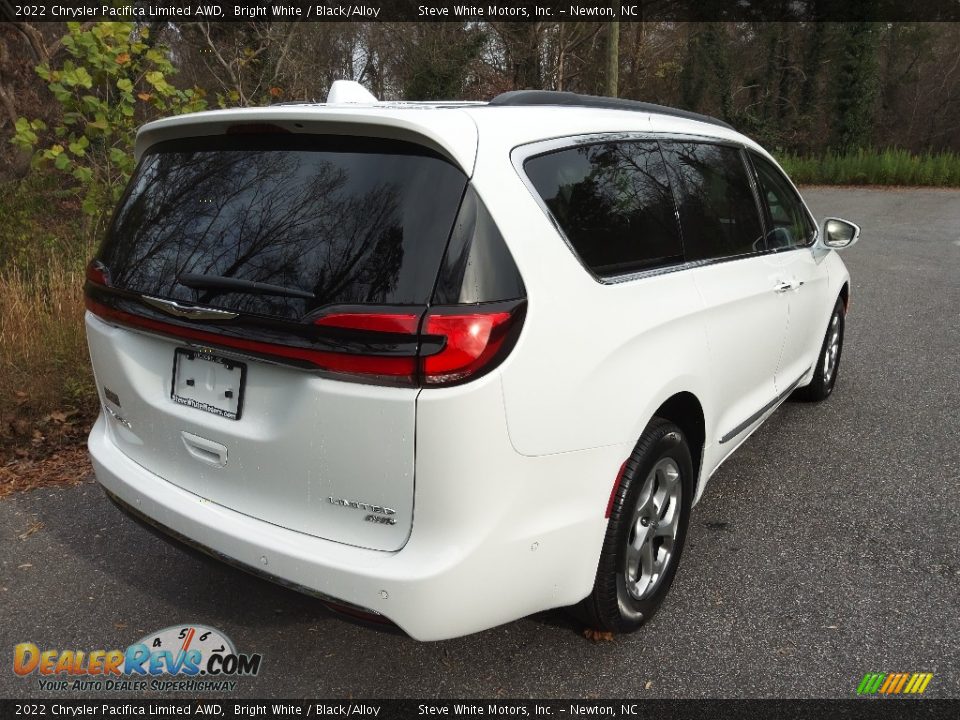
(798, 87)
(860, 103)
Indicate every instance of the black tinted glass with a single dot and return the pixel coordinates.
(790, 225)
(348, 220)
(613, 202)
(718, 212)
(478, 266)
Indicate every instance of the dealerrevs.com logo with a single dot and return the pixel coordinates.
(894, 683)
(184, 658)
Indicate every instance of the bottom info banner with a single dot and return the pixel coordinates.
(740, 709)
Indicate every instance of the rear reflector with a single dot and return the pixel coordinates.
(616, 486)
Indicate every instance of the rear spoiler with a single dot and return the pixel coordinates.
(448, 131)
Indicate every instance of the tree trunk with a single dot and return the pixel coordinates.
(7, 91)
(613, 58)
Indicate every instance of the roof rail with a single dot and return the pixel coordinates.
(517, 98)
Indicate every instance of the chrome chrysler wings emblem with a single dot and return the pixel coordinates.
(190, 313)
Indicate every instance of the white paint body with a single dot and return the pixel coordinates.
(500, 485)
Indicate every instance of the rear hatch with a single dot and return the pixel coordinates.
(255, 316)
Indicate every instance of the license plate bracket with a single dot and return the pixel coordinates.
(209, 382)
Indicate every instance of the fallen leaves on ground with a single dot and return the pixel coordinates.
(61, 417)
(66, 466)
(598, 635)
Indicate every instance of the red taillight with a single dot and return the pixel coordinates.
(453, 345)
(396, 367)
(469, 342)
(97, 273)
(376, 322)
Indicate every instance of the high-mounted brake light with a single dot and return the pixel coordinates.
(470, 342)
(255, 129)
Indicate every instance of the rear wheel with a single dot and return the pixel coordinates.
(828, 362)
(646, 532)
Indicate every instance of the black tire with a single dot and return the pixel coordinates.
(611, 606)
(825, 375)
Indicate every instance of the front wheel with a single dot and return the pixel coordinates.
(646, 532)
(828, 362)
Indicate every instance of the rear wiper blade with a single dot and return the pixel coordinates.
(220, 282)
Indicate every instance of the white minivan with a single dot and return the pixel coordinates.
(449, 364)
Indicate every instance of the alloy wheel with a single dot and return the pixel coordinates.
(653, 532)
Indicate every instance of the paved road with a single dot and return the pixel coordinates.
(825, 548)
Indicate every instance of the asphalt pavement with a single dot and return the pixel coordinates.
(827, 547)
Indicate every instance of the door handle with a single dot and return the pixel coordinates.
(783, 286)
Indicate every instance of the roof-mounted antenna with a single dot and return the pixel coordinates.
(344, 92)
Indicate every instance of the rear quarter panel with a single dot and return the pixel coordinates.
(594, 361)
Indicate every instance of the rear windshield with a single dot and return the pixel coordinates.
(342, 219)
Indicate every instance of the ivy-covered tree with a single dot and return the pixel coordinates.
(856, 86)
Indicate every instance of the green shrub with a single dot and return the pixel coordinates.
(111, 81)
(40, 220)
(874, 167)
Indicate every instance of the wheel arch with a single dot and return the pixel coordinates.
(685, 410)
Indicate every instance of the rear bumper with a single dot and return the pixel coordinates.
(511, 558)
(182, 541)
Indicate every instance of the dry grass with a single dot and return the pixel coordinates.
(46, 387)
(47, 396)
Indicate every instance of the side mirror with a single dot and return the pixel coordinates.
(838, 234)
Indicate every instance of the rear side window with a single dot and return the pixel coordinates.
(613, 203)
(790, 224)
(335, 218)
(718, 211)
